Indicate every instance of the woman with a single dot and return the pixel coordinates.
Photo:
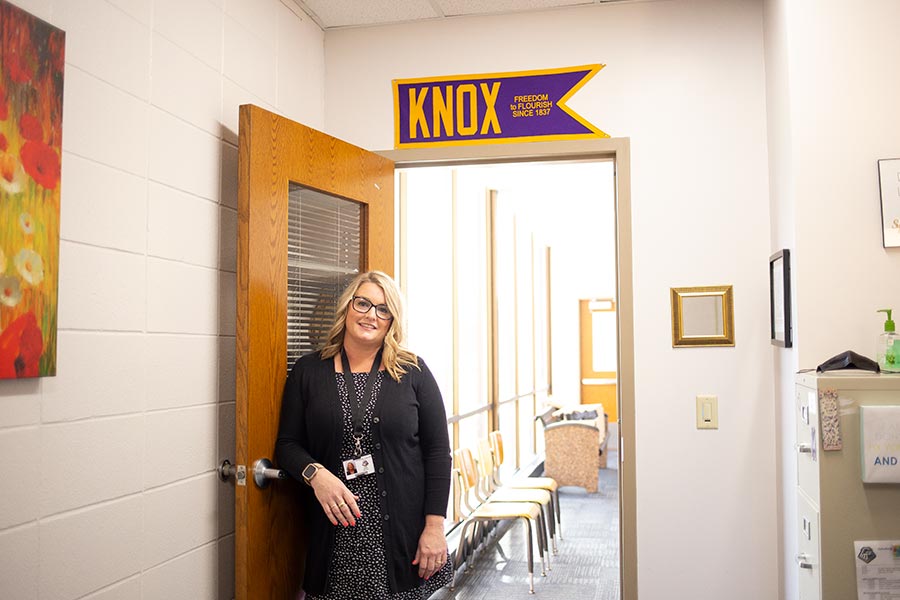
(363, 424)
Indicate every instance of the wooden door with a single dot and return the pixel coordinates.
(274, 153)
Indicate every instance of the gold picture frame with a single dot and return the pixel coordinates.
(702, 316)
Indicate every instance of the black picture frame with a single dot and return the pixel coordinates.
(780, 298)
(889, 190)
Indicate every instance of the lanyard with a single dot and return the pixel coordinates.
(359, 408)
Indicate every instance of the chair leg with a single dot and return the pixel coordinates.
(543, 540)
(551, 522)
(547, 528)
(558, 513)
(459, 553)
(540, 533)
(530, 555)
(472, 543)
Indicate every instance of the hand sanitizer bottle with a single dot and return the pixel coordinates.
(888, 358)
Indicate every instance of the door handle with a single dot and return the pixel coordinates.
(804, 448)
(803, 561)
(263, 472)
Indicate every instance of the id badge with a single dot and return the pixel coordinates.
(363, 465)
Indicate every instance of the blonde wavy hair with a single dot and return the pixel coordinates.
(396, 358)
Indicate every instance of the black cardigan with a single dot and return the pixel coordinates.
(411, 452)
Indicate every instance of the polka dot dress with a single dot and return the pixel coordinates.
(359, 566)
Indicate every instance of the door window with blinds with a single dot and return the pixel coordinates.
(324, 249)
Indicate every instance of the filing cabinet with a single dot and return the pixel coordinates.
(835, 508)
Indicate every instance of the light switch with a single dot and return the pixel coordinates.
(707, 412)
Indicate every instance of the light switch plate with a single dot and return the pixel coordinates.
(707, 412)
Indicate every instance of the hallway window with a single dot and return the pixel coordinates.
(521, 342)
(476, 281)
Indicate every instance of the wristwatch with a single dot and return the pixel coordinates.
(310, 471)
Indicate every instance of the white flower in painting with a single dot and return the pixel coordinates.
(26, 223)
(30, 266)
(10, 292)
(12, 175)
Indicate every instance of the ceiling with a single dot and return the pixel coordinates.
(331, 14)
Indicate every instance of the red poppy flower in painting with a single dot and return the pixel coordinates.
(18, 68)
(21, 346)
(41, 162)
(31, 128)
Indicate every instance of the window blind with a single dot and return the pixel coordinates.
(323, 256)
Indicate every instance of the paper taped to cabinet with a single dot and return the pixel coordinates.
(877, 570)
(831, 421)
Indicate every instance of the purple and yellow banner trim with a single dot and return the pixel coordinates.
(522, 106)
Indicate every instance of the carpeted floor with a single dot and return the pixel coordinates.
(586, 568)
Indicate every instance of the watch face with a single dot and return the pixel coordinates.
(309, 471)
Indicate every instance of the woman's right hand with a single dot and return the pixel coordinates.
(337, 501)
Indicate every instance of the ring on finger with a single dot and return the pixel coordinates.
(341, 505)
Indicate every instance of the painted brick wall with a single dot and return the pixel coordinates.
(111, 491)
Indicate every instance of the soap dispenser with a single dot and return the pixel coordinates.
(887, 352)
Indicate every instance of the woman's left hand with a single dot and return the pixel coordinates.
(432, 551)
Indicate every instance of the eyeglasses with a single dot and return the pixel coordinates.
(364, 305)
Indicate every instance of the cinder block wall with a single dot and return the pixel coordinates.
(111, 490)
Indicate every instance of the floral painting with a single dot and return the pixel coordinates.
(32, 57)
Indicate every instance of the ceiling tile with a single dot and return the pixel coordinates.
(478, 7)
(331, 13)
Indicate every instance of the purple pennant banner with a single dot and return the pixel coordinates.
(482, 109)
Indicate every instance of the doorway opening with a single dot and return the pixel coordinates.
(497, 261)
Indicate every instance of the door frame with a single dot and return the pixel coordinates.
(619, 151)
